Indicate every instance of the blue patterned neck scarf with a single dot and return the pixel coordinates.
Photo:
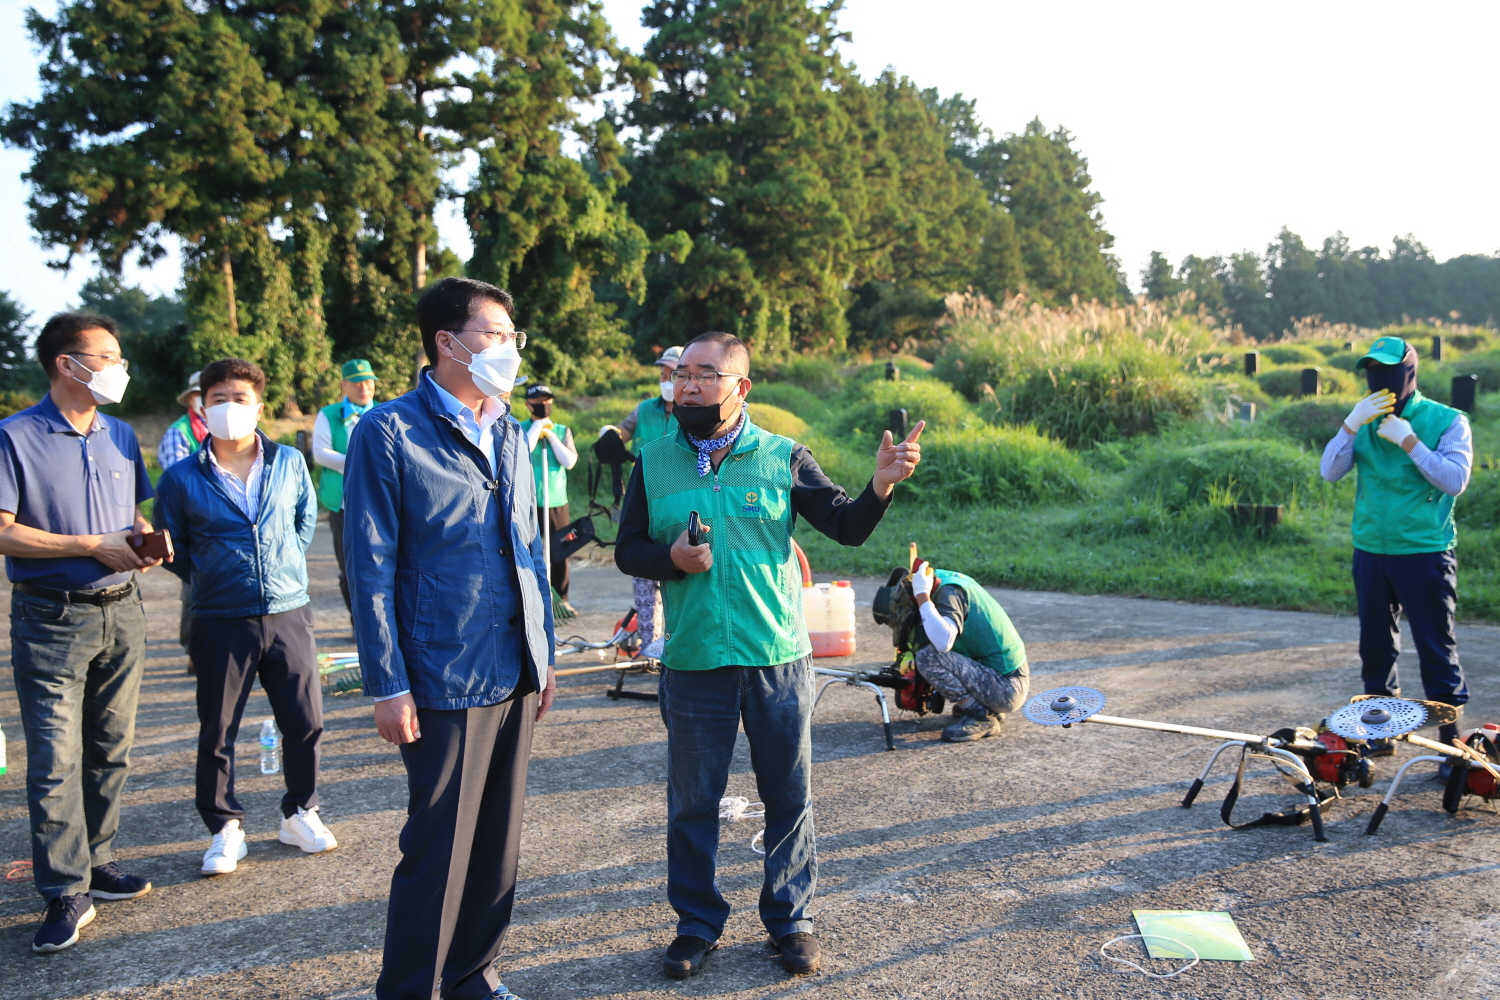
(707, 448)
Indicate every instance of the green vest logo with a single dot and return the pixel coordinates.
(752, 503)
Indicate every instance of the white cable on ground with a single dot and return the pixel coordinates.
(1155, 937)
(759, 838)
(734, 808)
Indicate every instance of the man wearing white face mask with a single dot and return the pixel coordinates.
(70, 481)
(242, 514)
(453, 620)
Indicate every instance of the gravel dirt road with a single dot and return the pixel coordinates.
(983, 870)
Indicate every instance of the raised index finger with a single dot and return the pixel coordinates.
(916, 432)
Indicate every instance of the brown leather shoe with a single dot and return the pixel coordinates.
(800, 954)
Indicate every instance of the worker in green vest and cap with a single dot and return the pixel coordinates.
(1414, 457)
(331, 433)
(735, 644)
(963, 644)
(651, 419)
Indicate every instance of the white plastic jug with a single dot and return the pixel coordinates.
(829, 611)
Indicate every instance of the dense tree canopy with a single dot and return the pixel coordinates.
(1266, 294)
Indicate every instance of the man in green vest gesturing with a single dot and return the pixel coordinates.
(1414, 456)
(735, 645)
(330, 443)
(553, 453)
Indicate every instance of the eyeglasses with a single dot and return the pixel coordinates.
(496, 336)
(111, 359)
(680, 377)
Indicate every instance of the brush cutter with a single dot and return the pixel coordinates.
(625, 640)
(1335, 756)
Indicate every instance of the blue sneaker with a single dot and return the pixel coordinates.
(66, 915)
(501, 993)
(109, 882)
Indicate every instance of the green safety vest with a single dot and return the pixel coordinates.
(652, 422)
(988, 635)
(556, 475)
(330, 483)
(1396, 510)
(185, 425)
(747, 609)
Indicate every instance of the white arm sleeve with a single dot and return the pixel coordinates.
(1338, 456)
(533, 435)
(322, 446)
(566, 455)
(941, 632)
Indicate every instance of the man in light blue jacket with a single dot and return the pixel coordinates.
(242, 514)
(453, 620)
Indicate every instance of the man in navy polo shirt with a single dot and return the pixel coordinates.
(70, 480)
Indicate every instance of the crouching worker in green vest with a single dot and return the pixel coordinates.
(1414, 456)
(736, 646)
(331, 433)
(966, 648)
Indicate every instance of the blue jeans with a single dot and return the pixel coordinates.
(1424, 586)
(702, 710)
(78, 675)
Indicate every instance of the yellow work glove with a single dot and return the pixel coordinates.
(1376, 404)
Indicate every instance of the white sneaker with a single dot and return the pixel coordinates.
(306, 830)
(227, 850)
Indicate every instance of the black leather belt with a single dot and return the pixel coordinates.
(108, 595)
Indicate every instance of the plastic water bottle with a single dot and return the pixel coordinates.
(270, 748)
(2, 751)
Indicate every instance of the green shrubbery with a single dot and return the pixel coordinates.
(1095, 399)
(1311, 423)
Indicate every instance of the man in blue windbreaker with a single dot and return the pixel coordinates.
(242, 513)
(453, 620)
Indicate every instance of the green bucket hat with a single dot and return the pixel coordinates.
(1386, 350)
(358, 370)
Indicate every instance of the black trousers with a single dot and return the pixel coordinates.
(455, 886)
(1425, 586)
(228, 654)
(560, 520)
(336, 526)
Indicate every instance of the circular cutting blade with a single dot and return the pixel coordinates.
(1377, 719)
(1063, 706)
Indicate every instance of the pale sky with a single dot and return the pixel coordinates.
(1207, 125)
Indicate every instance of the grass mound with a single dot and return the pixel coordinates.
(1221, 472)
(867, 406)
(1006, 466)
(1287, 382)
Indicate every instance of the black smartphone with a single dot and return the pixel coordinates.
(697, 530)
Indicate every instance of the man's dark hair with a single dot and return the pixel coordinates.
(232, 370)
(448, 305)
(735, 348)
(62, 335)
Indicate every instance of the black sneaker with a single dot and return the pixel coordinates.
(685, 956)
(66, 915)
(800, 954)
(109, 882)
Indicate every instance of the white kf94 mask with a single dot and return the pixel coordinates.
(231, 421)
(494, 368)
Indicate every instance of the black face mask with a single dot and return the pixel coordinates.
(705, 422)
(1399, 379)
(541, 411)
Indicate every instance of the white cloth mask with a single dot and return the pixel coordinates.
(107, 384)
(231, 421)
(666, 391)
(494, 368)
